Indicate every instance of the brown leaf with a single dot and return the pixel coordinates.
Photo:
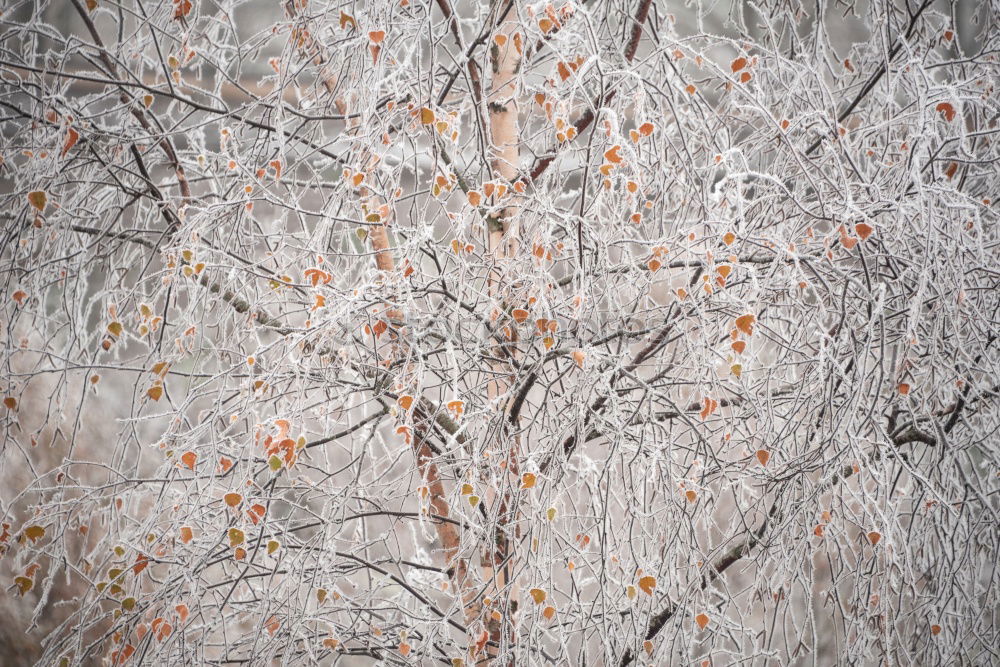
(38, 199)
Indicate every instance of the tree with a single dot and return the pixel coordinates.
(569, 332)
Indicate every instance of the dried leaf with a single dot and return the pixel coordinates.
(947, 110)
(72, 136)
(38, 199)
(647, 584)
(701, 620)
(745, 323)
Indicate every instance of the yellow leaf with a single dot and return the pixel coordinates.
(115, 329)
(233, 499)
(538, 595)
(272, 546)
(647, 584)
(34, 533)
(527, 480)
(155, 392)
(24, 584)
(236, 536)
(426, 116)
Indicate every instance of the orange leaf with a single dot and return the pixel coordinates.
(528, 480)
(186, 534)
(818, 530)
(141, 562)
(376, 36)
(426, 116)
(701, 620)
(612, 156)
(72, 136)
(347, 18)
(947, 110)
(578, 357)
(19, 296)
(935, 629)
(874, 537)
(691, 495)
(163, 630)
(182, 8)
(188, 459)
(708, 407)
(225, 464)
(646, 129)
(182, 612)
(155, 392)
(10, 403)
(763, 456)
(256, 513)
(745, 324)
(738, 64)
(647, 584)
(405, 402)
(549, 613)
(538, 595)
(317, 276)
(739, 346)
(863, 230)
(475, 198)
(904, 388)
(520, 315)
